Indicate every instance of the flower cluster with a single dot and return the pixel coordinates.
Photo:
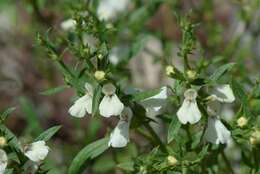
(36, 152)
(189, 112)
(109, 106)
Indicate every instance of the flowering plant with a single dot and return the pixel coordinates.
(179, 127)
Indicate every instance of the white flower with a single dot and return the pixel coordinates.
(189, 111)
(69, 24)
(120, 135)
(110, 104)
(223, 93)
(3, 161)
(37, 151)
(83, 104)
(156, 102)
(216, 132)
(109, 9)
(114, 56)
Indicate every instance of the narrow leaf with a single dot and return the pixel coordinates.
(46, 135)
(55, 90)
(96, 99)
(31, 116)
(7, 112)
(145, 94)
(173, 129)
(11, 138)
(89, 152)
(127, 166)
(221, 71)
(8, 171)
(139, 45)
(241, 95)
(239, 92)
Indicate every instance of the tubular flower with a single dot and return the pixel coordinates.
(216, 132)
(3, 161)
(189, 111)
(156, 102)
(69, 24)
(110, 104)
(84, 104)
(37, 151)
(120, 135)
(109, 9)
(223, 93)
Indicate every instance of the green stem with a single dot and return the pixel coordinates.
(227, 162)
(256, 161)
(156, 137)
(184, 169)
(186, 62)
(64, 67)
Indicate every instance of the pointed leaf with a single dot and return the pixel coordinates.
(89, 152)
(27, 108)
(221, 71)
(55, 90)
(46, 135)
(6, 113)
(173, 129)
(96, 99)
(139, 96)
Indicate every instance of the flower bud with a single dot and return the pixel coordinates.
(143, 170)
(242, 121)
(99, 56)
(255, 137)
(2, 141)
(99, 75)
(169, 70)
(191, 74)
(172, 160)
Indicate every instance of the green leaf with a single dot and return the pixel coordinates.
(6, 113)
(257, 91)
(138, 18)
(241, 95)
(239, 92)
(221, 71)
(139, 44)
(203, 152)
(107, 163)
(8, 171)
(46, 135)
(27, 107)
(145, 94)
(96, 99)
(11, 138)
(173, 129)
(103, 49)
(54, 90)
(127, 166)
(89, 152)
